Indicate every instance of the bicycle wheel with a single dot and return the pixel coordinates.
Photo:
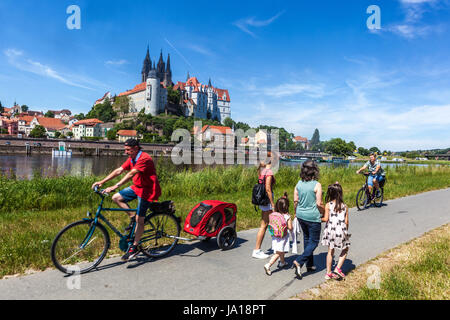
(80, 247)
(361, 199)
(159, 237)
(378, 200)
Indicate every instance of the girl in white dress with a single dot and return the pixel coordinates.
(280, 245)
(335, 234)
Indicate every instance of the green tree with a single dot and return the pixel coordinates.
(228, 122)
(38, 132)
(70, 134)
(338, 146)
(102, 111)
(2, 109)
(80, 116)
(57, 134)
(3, 131)
(173, 96)
(25, 108)
(375, 149)
(363, 151)
(49, 114)
(112, 134)
(122, 104)
(315, 140)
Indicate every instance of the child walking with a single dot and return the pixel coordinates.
(335, 234)
(280, 240)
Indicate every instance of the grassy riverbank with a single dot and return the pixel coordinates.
(416, 270)
(33, 211)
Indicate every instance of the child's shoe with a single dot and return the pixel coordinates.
(298, 269)
(267, 269)
(282, 265)
(331, 275)
(339, 272)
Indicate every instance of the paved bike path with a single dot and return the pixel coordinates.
(202, 271)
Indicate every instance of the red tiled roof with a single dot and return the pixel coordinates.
(127, 133)
(87, 122)
(221, 93)
(221, 129)
(298, 138)
(102, 98)
(138, 88)
(27, 119)
(51, 123)
(179, 85)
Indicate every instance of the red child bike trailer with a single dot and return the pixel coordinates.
(213, 218)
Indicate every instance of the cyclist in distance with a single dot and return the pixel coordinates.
(376, 172)
(145, 188)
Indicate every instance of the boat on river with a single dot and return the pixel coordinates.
(293, 159)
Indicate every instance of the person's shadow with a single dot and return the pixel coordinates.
(320, 262)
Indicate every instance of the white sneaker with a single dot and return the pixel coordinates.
(258, 254)
(282, 265)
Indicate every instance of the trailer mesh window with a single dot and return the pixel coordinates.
(214, 222)
(199, 213)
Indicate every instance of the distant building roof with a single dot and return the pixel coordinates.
(88, 122)
(223, 130)
(51, 123)
(137, 88)
(127, 133)
(299, 138)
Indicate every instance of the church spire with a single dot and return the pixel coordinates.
(147, 65)
(188, 76)
(209, 83)
(168, 73)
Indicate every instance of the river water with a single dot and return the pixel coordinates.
(25, 167)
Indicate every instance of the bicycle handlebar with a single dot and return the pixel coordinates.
(100, 192)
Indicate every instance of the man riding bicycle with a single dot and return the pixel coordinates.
(145, 188)
(376, 173)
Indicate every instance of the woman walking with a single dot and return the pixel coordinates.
(265, 174)
(308, 207)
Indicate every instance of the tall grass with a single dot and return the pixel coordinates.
(33, 211)
(43, 194)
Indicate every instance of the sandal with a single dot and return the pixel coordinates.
(267, 269)
(298, 269)
(339, 272)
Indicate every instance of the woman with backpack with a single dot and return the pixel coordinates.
(309, 210)
(279, 223)
(265, 175)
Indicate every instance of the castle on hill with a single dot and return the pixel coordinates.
(196, 99)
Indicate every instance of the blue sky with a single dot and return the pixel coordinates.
(297, 64)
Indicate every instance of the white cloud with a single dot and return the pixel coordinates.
(116, 62)
(17, 59)
(412, 27)
(200, 49)
(245, 23)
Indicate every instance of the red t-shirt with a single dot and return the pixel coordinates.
(145, 182)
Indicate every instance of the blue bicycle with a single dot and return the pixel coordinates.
(81, 246)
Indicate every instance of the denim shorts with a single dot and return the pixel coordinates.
(128, 195)
(379, 178)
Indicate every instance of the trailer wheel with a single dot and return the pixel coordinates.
(226, 238)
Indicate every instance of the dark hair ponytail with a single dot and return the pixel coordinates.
(335, 192)
(282, 204)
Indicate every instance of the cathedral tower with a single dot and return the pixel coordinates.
(147, 66)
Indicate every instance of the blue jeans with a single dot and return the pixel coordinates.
(311, 239)
(379, 178)
(128, 195)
